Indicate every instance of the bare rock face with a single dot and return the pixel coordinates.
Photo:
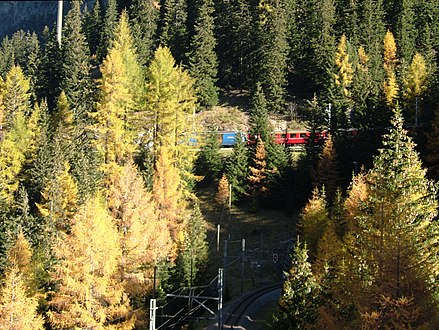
(26, 15)
(30, 15)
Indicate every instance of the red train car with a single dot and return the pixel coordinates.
(297, 137)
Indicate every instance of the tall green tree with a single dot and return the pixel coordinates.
(145, 15)
(109, 24)
(93, 27)
(298, 303)
(76, 80)
(209, 162)
(203, 63)
(272, 53)
(173, 28)
(236, 168)
(49, 84)
(235, 28)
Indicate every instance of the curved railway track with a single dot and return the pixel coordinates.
(238, 312)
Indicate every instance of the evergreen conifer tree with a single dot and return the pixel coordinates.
(235, 28)
(109, 24)
(209, 162)
(145, 15)
(173, 29)
(49, 85)
(237, 168)
(93, 27)
(298, 304)
(272, 53)
(76, 81)
(203, 61)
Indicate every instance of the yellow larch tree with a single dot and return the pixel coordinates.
(89, 293)
(60, 199)
(344, 76)
(390, 86)
(16, 137)
(314, 221)
(222, 195)
(18, 311)
(171, 206)
(18, 300)
(170, 105)
(113, 142)
(415, 83)
(143, 239)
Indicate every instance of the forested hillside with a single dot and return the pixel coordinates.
(105, 146)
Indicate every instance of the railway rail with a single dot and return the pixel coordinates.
(238, 312)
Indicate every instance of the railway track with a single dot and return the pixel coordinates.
(238, 313)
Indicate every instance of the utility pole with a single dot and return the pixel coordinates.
(242, 265)
(152, 313)
(220, 298)
(59, 22)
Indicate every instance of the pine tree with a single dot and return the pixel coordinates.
(18, 301)
(11, 162)
(203, 61)
(236, 42)
(75, 70)
(89, 294)
(357, 194)
(340, 93)
(192, 248)
(272, 53)
(15, 96)
(145, 241)
(432, 154)
(298, 304)
(343, 77)
(173, 29)
(60, 199)
(49, 85)
(113, 112)
(145, 15)
(93, 26)
(237, 168)
(209, 162)
(109, 24)
(405, 31)
(168, 194)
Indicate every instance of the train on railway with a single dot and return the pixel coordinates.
(291, 138)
